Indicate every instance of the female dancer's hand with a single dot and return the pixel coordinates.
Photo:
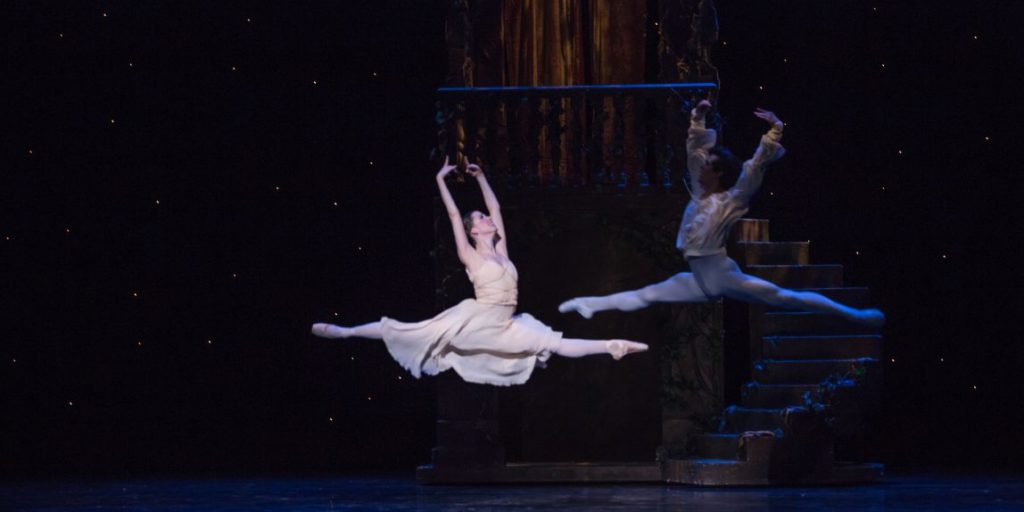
(445, 169)
(768, 116)
(474, 170)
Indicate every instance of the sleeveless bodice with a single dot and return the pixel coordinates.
(495, 282)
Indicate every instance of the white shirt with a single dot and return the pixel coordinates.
(707, 220)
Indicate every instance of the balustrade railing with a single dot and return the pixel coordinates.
(598, 137)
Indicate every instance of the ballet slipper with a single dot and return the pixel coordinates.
(577, 306)
(330, 331)
(619, 348)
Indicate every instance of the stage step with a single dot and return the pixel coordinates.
(796, 371)
(798, 323)
(800, 276)
(737, 420)
(822, 347)
(756, 395)
(784, 442)
(772, 253)
(717, 446)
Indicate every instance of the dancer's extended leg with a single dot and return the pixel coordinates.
(748, 288)
(573, 347)
(371, 330)
(681, 287)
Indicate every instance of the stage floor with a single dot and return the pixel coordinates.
(896, 493)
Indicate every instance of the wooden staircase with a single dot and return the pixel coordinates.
(776, 435)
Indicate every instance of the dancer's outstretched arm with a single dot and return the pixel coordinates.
(467, 255)
(699, 141)
(768, 151)
(493, 208)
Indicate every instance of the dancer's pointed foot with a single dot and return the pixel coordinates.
(870, 317)
(619, 348)
(331, 331)
(576, 305)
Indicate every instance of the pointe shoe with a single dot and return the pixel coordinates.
(330, 331)
(577, 306)
(619, 348)
(871, 317)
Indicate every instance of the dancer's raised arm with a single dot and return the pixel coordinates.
(768, 151)
(699, 141)
(493, 208)
(467, 255)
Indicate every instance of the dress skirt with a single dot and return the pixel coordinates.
(483, 343)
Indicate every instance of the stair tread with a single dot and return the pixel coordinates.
(711, 461)
(770, 410)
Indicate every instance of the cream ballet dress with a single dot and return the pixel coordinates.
(482, 339)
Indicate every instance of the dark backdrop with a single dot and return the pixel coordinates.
(186, 186)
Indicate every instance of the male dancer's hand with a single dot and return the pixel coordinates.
(768, 117)
(702, 109)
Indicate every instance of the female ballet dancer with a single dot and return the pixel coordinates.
(481, 338)
(707, 220)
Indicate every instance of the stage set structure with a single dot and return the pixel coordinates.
(590, 180)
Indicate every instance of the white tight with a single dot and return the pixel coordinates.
(714, 277)
(567, 347)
